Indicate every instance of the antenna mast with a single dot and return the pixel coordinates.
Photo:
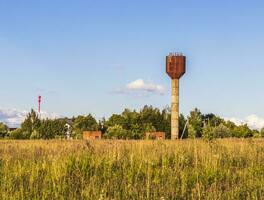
(39, 103)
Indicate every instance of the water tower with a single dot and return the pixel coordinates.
(175, 68)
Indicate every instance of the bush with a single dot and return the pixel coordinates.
(191, 131)
(17, 134)
(262, 132)
(116, 132)
(35, 135)
(243, 131)
(208, 132)
(3, 130)
(221, 131)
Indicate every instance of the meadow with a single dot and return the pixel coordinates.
(111, 169)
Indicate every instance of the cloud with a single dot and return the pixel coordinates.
(14, 117)
(253, 121)
(141, 88)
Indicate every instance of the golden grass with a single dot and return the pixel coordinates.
(108, 169)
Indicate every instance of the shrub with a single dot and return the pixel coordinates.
(262, 132)
(17, 134)
(116, 132)
(3, 130)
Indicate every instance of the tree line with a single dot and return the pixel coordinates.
(130, 124)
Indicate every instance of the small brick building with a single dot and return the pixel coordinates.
(92, 135)
(155, 135)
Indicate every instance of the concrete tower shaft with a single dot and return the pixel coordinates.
(174, 109)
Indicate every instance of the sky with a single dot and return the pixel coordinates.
(102, 56)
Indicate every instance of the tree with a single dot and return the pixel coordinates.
(152, 115)
(116, 132)
(84, 123)
(208, 132)
(135, 132)
(212, 119)
(148, 127)
(262, 132)
(130, 118)
(256, 133)
(221, 131)
(30, 124)
(243, 131)
(191, 131)
(3, 130)
(114, 120)
(166, 121)
(211, 132)
(50, 129)
(196, 122)
(149, 119)
(182, 123)
(17, 134)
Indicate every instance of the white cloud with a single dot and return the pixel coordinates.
(141, 88)
(253, 121)
(14, 117)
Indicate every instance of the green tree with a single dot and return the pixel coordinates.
(191, 131)
(135, 132)
(182, 123)
(262, 132)
(84, 123)
(50, 129)
(196, 122)
(243, 131)
(166, 121)
(17, 134)
(130, 118)
(35, 135)
(148, 127)
(3, 130)
(256, 134)
(152, 116)
(30, 124)
(212, 119)
(231, 126)
(211, 132)
(221, 131)
(208, 132)
(114, 120)
(116, 132)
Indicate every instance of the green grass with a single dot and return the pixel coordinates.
(189, 169)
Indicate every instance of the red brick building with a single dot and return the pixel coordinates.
(92, 135)
(155, 135)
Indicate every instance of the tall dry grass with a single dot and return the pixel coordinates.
(189, 169)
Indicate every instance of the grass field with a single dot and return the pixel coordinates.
(189, 169)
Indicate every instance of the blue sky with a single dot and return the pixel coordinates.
(83, 55)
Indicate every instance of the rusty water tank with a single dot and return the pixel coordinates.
(175, 65)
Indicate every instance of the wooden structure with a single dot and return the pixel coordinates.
(92, 135)
(155, 135)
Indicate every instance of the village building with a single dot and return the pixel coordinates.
(155, 135)
(92, 135)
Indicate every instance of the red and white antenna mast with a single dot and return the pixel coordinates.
(39, 103)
